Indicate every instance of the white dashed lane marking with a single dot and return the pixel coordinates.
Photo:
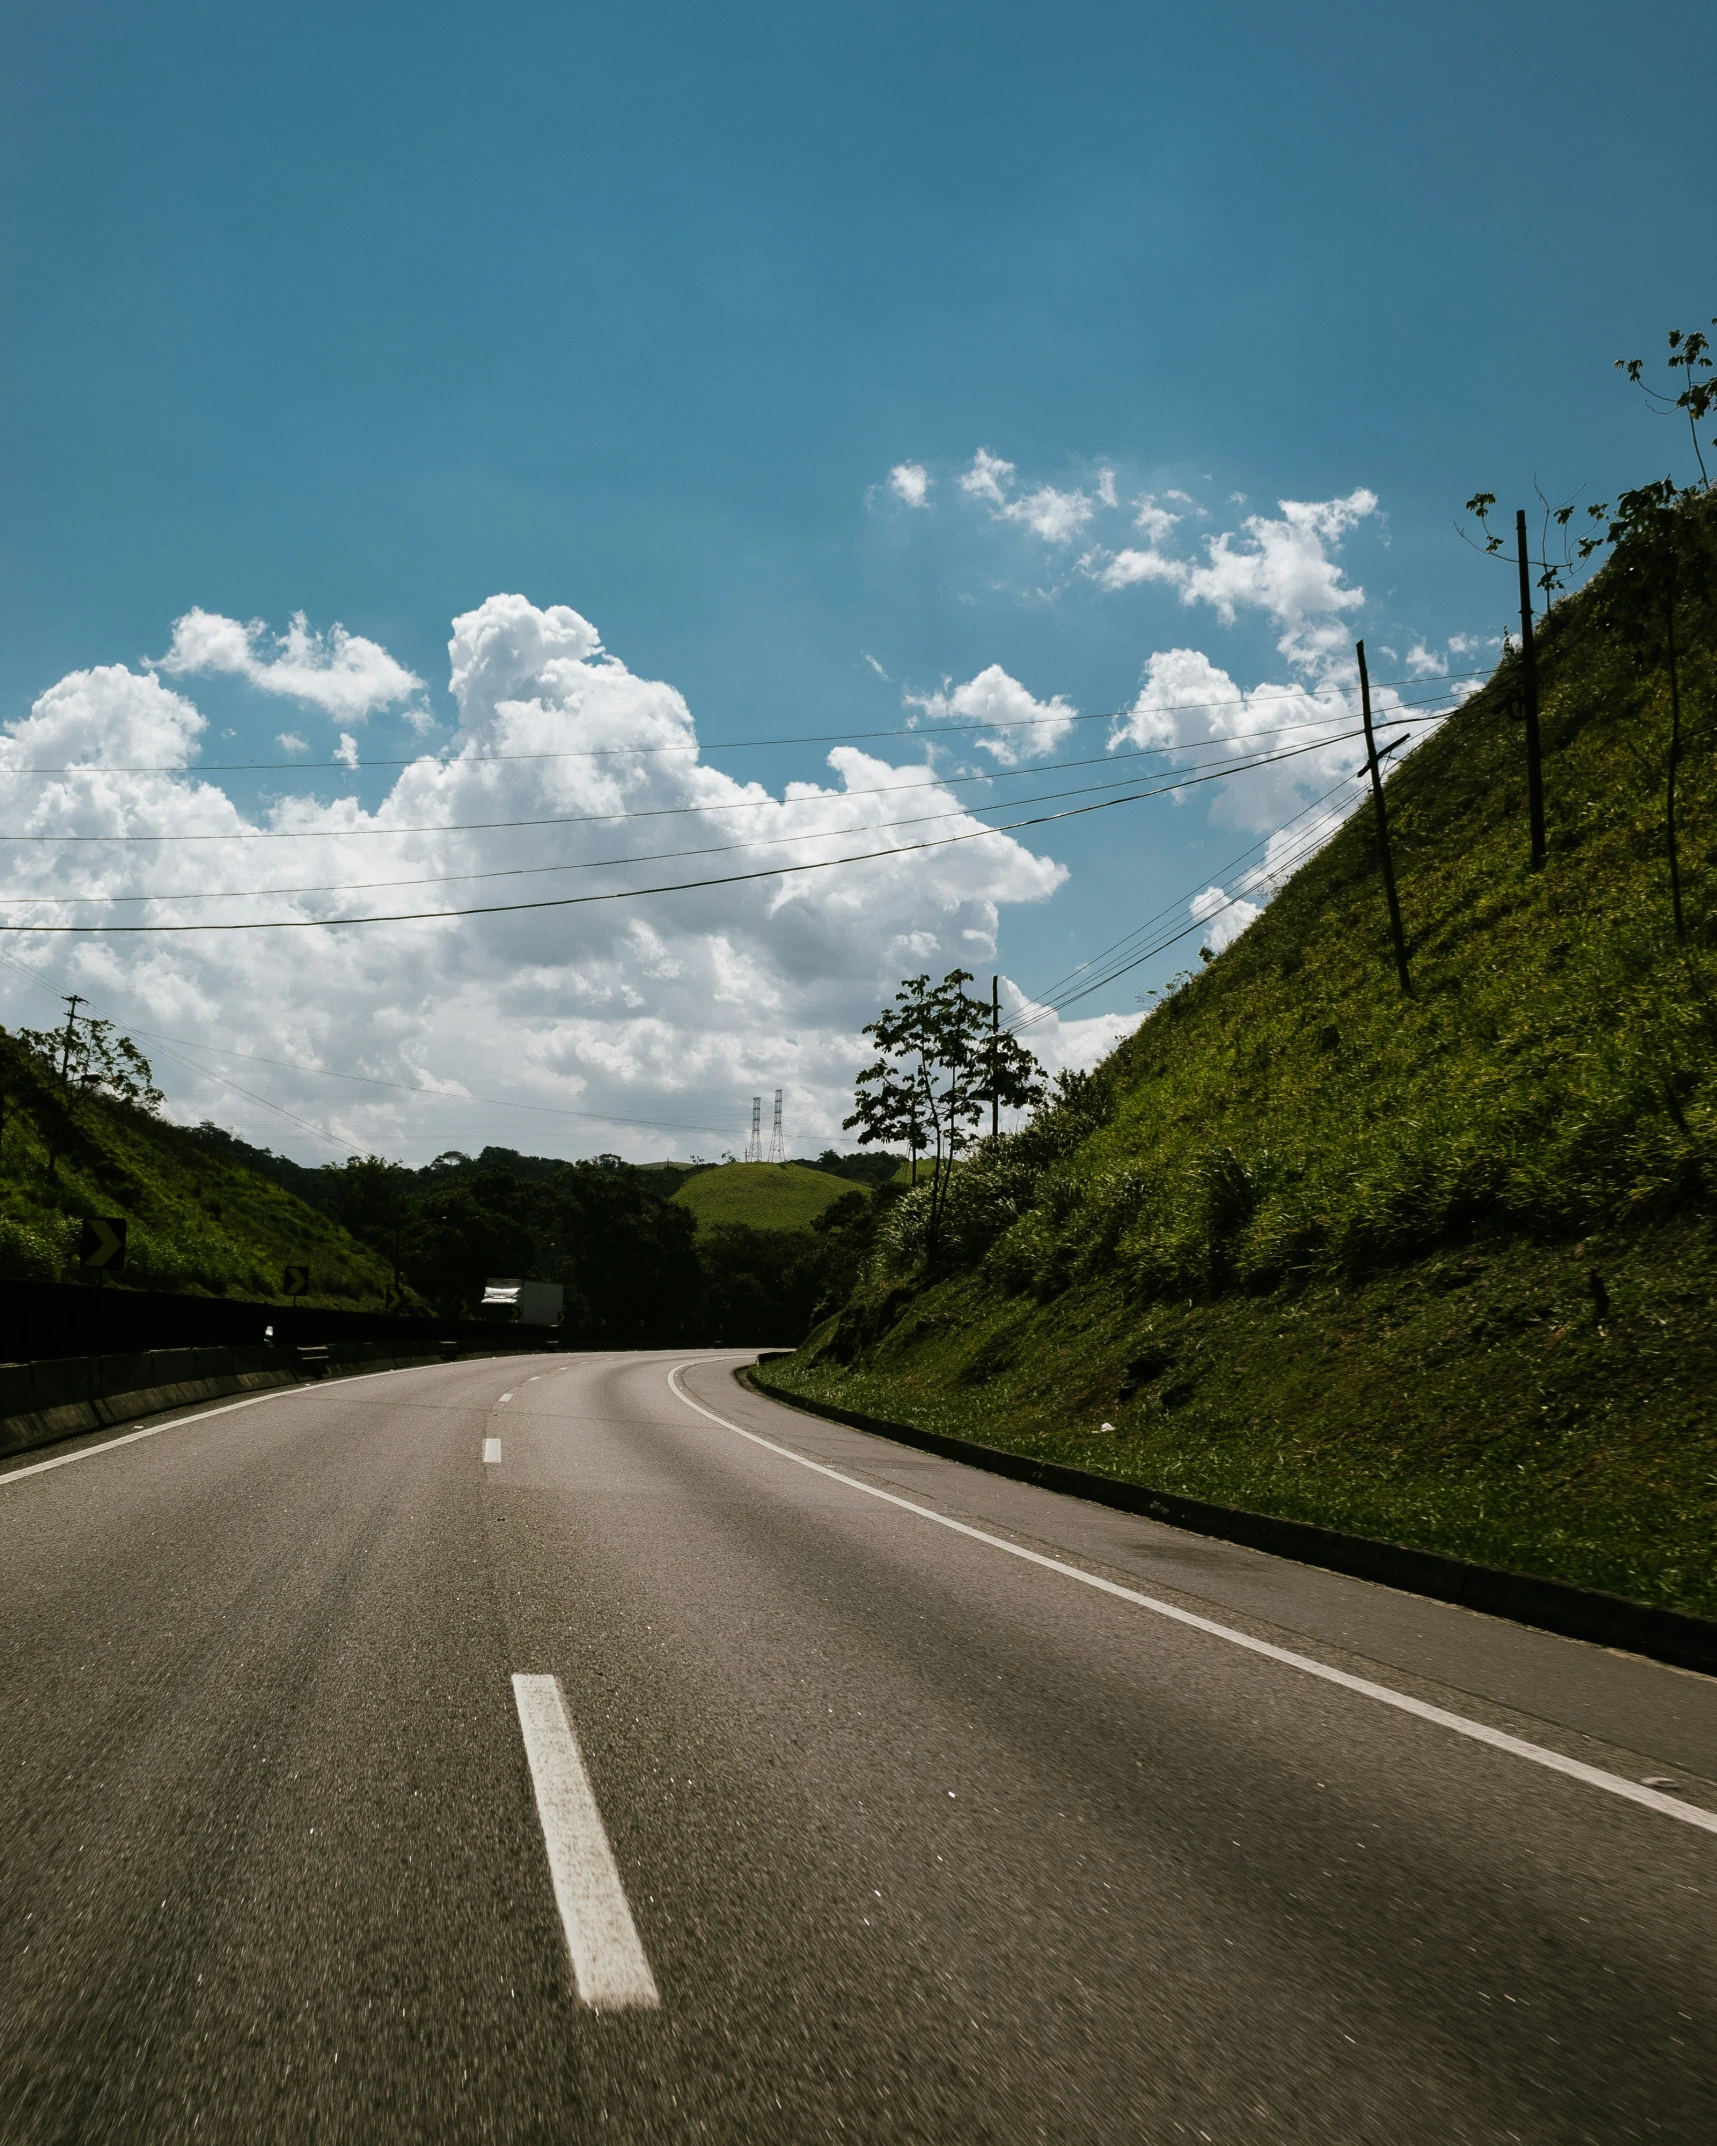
(608, 1960)
(492, 1452)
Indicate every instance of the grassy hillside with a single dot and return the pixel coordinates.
(198, 1220)
(1439, 1268)
(762, 1195)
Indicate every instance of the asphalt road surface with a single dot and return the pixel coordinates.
(542, 1749)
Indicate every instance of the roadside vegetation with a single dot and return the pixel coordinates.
(646, 1254)
(661, 1252)
(79, 1136)
(1437, 1266)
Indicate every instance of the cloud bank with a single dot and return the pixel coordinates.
(673, 1009)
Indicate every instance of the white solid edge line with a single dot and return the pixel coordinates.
(1614, 1784)
(608, 1961)
(154, 1430)
(492, 1452)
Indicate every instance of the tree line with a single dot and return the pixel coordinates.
(636, 1268)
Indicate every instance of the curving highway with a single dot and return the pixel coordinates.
(586, 1748)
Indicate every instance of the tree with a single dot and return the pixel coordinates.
(1662, 568)
(460, 1235)
(625, 1257)
(939, 1065)
(374, 1199)
(93, 1056)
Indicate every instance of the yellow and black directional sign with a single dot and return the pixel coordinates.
(392, 1299)
(297, 1282)
(102, 1243)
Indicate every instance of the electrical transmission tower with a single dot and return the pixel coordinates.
(754, 1146)
(777, 1153)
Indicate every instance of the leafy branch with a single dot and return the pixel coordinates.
(1690, 354)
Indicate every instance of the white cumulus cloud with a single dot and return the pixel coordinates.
(910, 482)
(1030, 727)
(341, 673)
(1283, 566)
(1226, 914)
(1156, 521)
(1054, 515)
(1305, 732)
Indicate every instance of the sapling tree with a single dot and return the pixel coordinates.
(939, 1066)
(1690, 355)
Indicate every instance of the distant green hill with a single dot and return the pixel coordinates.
(198, 1220)
(1440, 1268)
(765, 1195)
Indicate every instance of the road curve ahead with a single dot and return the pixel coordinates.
(585, 1748)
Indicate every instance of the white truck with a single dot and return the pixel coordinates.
(516, 1303)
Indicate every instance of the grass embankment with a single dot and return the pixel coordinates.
(197, 1223)
(762, 1195)
(1323, 1251)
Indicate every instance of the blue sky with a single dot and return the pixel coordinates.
(373, 312)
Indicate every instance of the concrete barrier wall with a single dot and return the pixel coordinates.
(63, 1397)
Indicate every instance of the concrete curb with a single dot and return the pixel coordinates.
(1666, 1635)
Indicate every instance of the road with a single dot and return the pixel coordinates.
(845, 1794)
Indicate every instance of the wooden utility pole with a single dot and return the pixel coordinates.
(995, 1037)
(1397, 939)
(73, 1001)
(1674, 760)
(1529, 698)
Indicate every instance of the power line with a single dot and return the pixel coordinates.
(35, 976)
(1291, 859)
(689, 886)
(1047, 997)
(591, 864)
(1057, 999)
(578, 819)
(732, 745)
(1135, 960)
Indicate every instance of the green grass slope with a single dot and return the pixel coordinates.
(763, 1195)
(1440, 1269)
(199, 1221)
